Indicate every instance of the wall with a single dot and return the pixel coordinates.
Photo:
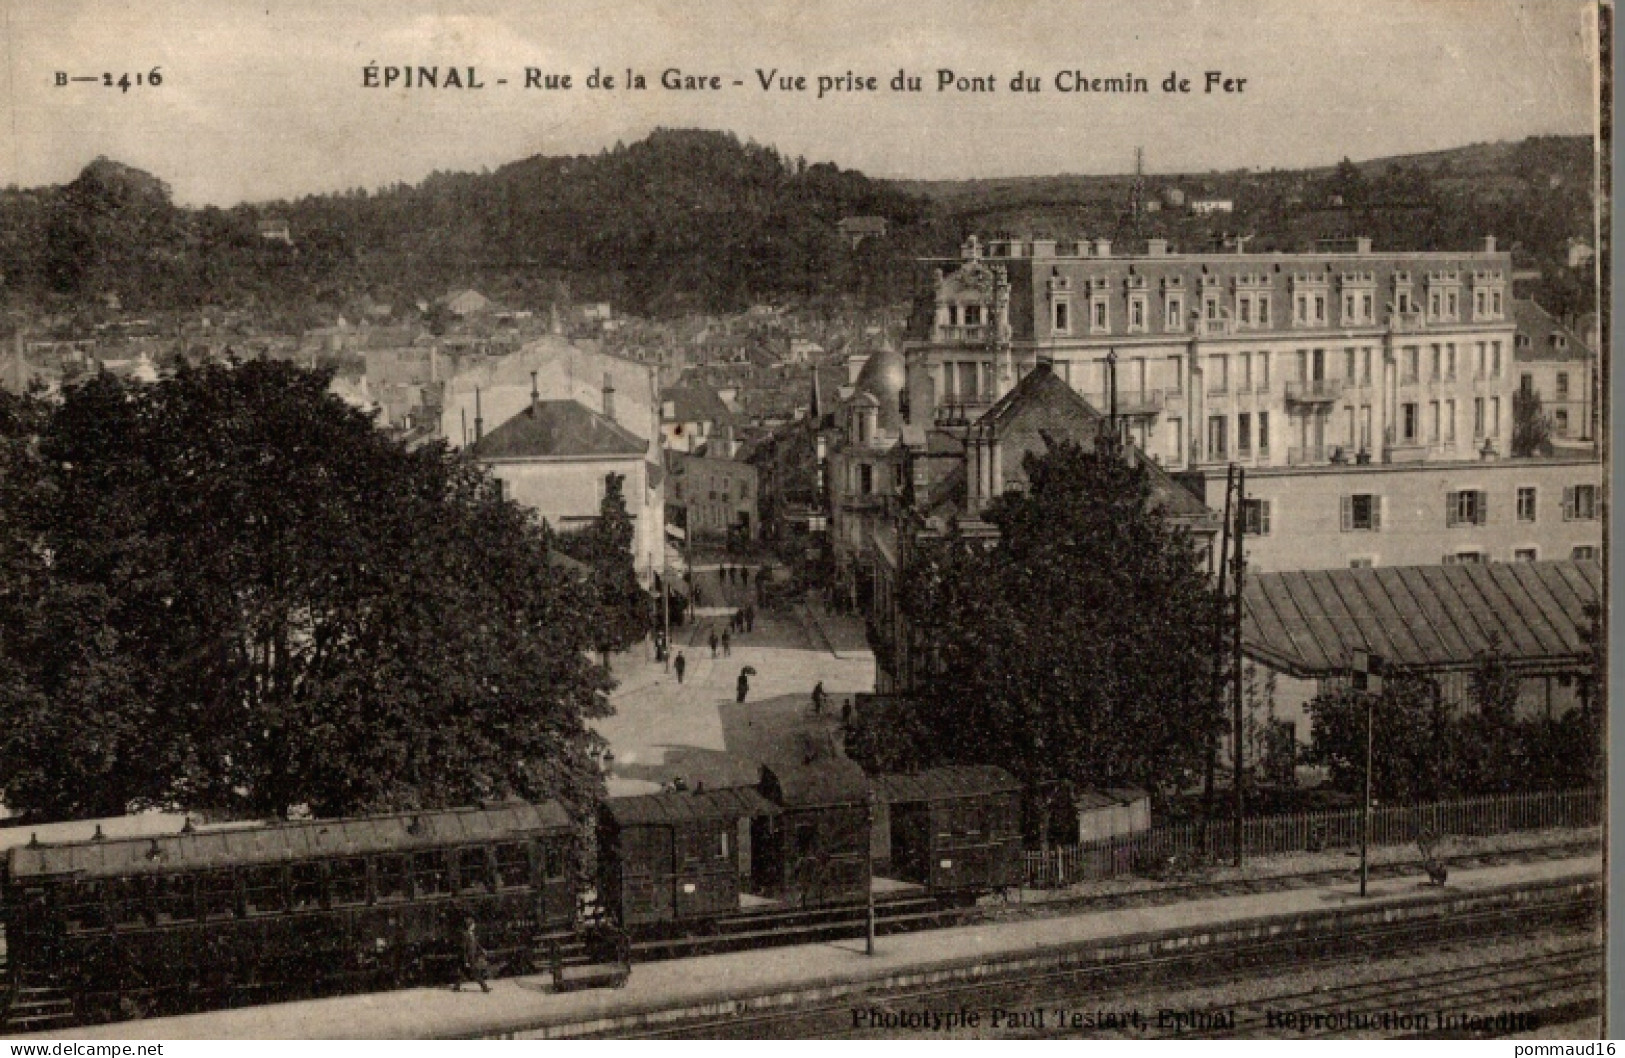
(567, 493)
(1305, 512)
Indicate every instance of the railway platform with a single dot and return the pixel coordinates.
(763, 979)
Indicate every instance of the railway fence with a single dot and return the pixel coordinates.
(1165, 849)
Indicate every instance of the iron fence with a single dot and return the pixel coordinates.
(1159, 849)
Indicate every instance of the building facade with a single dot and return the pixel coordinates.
(1554, 363)
(1413, 514)
(711, 496)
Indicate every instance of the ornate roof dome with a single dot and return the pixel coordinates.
(884, 377)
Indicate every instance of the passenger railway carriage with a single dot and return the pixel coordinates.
(188, 921)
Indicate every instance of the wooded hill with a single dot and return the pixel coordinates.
(689, 220)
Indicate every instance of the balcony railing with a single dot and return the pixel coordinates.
(1148, 402)
(1314, 391)
(1405, 322)
(1214, 328)
(973, 332)
(1308, 455)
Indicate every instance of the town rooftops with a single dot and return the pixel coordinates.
(1422, 618)
(694, 402)
(279, 842)
(1547, 338)
(863, 225)
(554, 429)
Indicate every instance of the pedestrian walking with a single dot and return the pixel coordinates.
(727, 645)
(680, 664)
(699, 597)
(713, 643)
(818, 699)
(750, 618)
(744, 686)
(476, 963)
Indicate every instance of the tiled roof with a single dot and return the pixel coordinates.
(559, 428)
(1419, 617)
(695, 403)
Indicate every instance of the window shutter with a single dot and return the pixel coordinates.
(1263, 517)
(1348, 513)
(1452, 503)
(1483, 508)
(1568, 503)
(1376, 513)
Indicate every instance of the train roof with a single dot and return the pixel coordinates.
(833, 781)
(355, 836)
(667, 809)
(943, 784)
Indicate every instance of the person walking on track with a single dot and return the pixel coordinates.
(682, 663)
(476, 963)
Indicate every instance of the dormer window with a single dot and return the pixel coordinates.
(1061, 321)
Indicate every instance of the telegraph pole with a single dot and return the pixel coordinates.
(1366, 680)
(869, 878)
(1235, 659)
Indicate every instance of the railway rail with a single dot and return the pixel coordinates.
(1083, 986)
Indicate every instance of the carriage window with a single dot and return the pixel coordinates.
(474, 870)
(429, 873)
(306, 888)
(83, 908)
(513, 865)
(552, 860)
(390, 879)
(172, 897)
(217, 894)
(131, 906)
(347, 880)
(262, 891)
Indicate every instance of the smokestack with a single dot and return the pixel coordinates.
(609, 397)
(479, 421)
(1489, 244)
(535, 395)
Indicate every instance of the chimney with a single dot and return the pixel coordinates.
(1489, 244)
(1043, 248)
(1103, 247)
(1362, 245)
(535, 396)
(479, 421)
(1156, 247)
(609, 397)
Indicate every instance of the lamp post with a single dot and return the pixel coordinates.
(869, 876)
(1367, 680)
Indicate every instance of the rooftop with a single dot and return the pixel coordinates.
(558, 428)
(1427, 618)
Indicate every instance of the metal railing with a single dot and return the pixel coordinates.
(961, 332)
(1310, 832)
(1314, 389)
(1308, 455)
(1146, 402)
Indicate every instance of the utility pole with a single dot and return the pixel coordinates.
(1216, 690)
(1235, 659)
(1111, 393)
(1367, 680)
(869, 877)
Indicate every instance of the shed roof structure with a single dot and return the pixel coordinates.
(401, 831)
(1420, 618)
(942, 784)
(833, 781)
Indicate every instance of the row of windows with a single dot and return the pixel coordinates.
(1478, 555)
(1252, 309)
(278, 888)
(1362, 511)
(1441, 364)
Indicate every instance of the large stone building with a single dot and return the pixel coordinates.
(1554, 362)
(1346, 381)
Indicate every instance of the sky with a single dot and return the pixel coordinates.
(267, 100)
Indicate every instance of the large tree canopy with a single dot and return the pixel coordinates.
(229, 590)
(1078, 649)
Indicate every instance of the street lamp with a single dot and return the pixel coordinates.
(869, 873)
(1367, 680)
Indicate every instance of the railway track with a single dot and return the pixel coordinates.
(1096, 986)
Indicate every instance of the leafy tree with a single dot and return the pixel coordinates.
(256, 600)
(623, 608)
(1531, 428)
(1078, 648)
(1412, 739)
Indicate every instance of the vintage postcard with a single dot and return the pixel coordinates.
(911, 521)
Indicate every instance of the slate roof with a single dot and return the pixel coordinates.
(943, 784)
(552, 428)
(277, 843)
(672, 809)
(1540, 326)
(1422, 618)
(695, 403)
